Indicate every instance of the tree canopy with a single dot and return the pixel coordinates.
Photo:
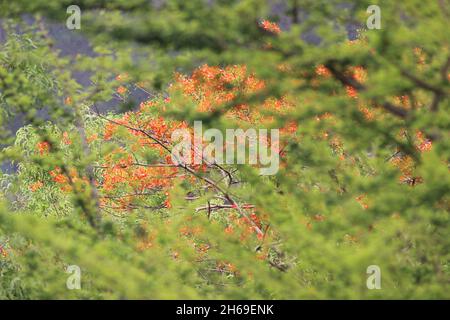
(363, 177)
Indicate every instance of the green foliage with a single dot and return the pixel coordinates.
(336, 206)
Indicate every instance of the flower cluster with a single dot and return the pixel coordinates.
(271, 27)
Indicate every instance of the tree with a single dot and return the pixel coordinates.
(363, 177)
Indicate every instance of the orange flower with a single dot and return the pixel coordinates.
(36, 186)
(351, 92)
(271, 27)
(121, 90)
(66, 139)
(43, 147)
(3, 252)
(321, 70)
(424, 144)
(92, 138)
(359, 74)
(368, 114)
(68, 100)
(110, 129)
(361, 200)
(57, 176)
(122, 77)
(229, 229)
(167, 203)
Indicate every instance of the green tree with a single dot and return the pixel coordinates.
(363, 179)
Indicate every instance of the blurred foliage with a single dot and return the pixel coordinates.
(364, 181)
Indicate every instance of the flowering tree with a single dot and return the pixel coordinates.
(362, 178)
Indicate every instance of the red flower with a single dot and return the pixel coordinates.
(121, 90)
(271, 27)
(36, 186)
(43, 147)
